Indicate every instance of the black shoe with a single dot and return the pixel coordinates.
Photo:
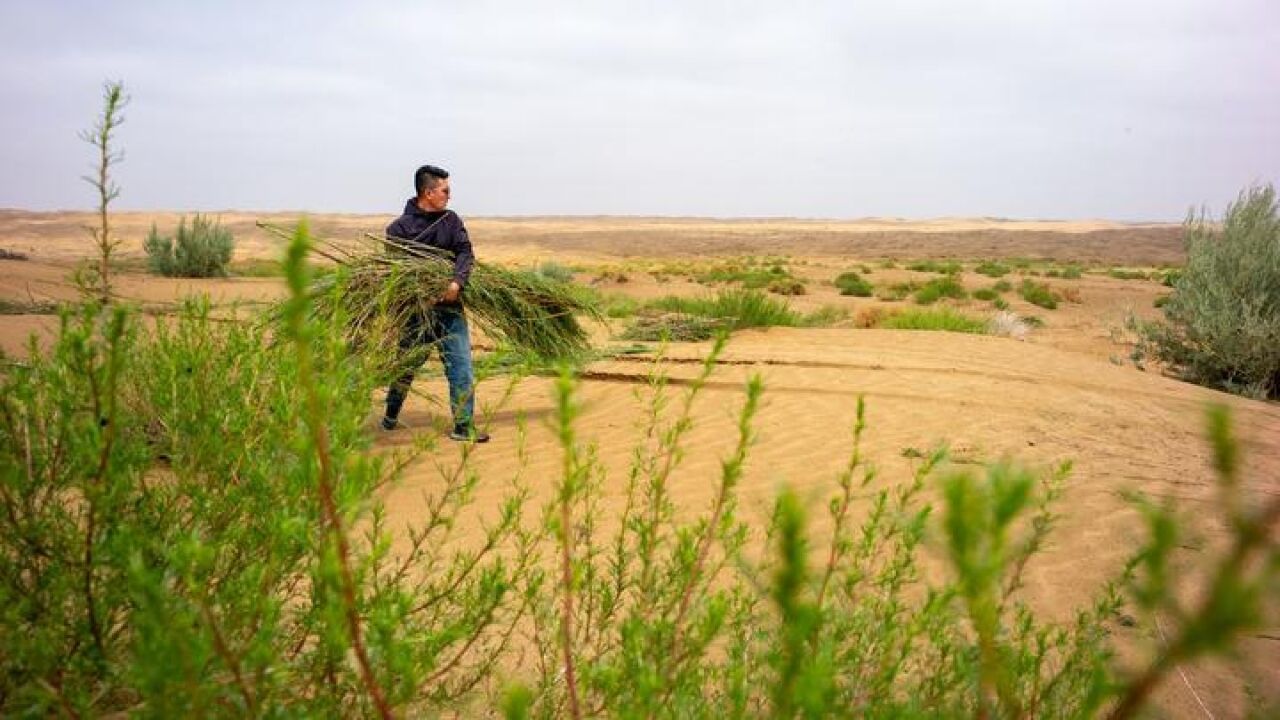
(463, 433)
(390, 423)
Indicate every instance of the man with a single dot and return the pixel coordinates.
(427, 223)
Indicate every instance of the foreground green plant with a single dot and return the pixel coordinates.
(1222, 323)
(191, 527)
(678, 615)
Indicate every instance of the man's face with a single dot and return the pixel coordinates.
(437, 198)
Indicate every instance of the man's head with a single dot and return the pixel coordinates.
(432, 186)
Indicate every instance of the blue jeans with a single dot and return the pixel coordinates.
(445, 327)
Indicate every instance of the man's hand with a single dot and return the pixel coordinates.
(452, 292)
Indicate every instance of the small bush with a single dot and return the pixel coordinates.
(1038, 294)
(851, 283)
(992, 269)
(1072, 272)
(1034, 321)
(1007, 324)
(553, 270)
(1000, 304)
(1222, 323)
(938, 288)
(200, 251)
(935, 266)
(786, 286)
(1003, 286)
(934, 319)
(738, 308)
(986, 294)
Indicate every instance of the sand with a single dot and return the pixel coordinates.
(1068, 392)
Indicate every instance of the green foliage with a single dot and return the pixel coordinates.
(949, 267)
(933, 319)
(1038, 294)
(986, 294)
(851, 283)
(737, 308)
(1002, 286)
(991, 268)
(947, 286)
(202, 250)
(180, 512)
(752, 273)
(786, 286)
(95, 280)
(1072, 272)
(553, 270)
(1222, 323)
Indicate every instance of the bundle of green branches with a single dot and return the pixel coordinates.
(380, 284)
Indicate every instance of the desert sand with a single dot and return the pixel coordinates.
(1067, 392)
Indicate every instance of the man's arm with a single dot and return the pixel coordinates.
(464, 259)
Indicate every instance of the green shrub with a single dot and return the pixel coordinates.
(991, 269)
(949, 267)
(786, 286)
(553, 270)
(194, 526)
(933, 319)
(851, 283)
(1038, 294)
(1002, 286)
(753, 276)
(738, 308)
(985, 294)
(934, 290)
(1222, 323)
(1000, 304)
(202, 250)
(1072, 272)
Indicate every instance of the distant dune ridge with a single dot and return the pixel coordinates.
(59, 235)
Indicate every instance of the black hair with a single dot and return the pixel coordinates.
(427, 177)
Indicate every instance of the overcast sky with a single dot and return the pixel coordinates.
(916, 108)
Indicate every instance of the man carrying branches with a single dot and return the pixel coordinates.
(427, 223)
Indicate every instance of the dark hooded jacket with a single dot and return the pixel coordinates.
(442, 230)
